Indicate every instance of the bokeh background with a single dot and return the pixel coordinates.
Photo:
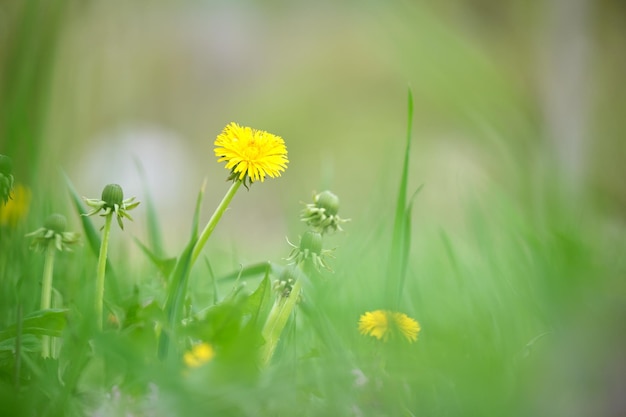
(507, 94)
(520, 100)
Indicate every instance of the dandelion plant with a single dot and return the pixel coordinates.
(111, 203)
(48, 239)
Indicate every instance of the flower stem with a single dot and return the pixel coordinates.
(102, 263)
(46, 292)
(215, 218)
(276, 321)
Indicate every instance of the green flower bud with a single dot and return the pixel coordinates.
(310, 249)
(112, 201)
(328, 201)
(53, 232)
(311, 242)
(113, 195)
(322, 214)
(56, 222)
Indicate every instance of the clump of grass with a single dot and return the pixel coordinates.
(460, 324)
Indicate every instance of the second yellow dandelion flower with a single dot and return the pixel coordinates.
(382, 324)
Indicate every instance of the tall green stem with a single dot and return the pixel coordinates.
(46, 292)
(276, 322)
(215, 218)
(102, 264)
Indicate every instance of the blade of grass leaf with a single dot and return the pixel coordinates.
(164, 265)
(213, 281)
(406, 244)
(399, 226)
(178, 285)
(154, 232)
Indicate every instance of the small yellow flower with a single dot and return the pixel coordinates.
(16, 208)
(251, 154)
(199, 355)
(383, 323)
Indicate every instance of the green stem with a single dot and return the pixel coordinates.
(102, 264)
(215, 218)
(46, 292)
(276, 321)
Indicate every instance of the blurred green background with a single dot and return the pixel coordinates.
(519, 140)
(507, 94)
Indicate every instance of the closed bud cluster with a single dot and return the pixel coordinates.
(310, 248)
(112, 201)
(113, 195)
(53, 232)
(322, 215)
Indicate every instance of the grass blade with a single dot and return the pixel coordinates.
(154, 232)
(399, 238)
(178, 285)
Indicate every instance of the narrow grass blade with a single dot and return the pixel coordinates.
(92, 235)
(405, 245)
(165, 265)
(398, 243)
(154, 232)
(178, 284)
(213, 281)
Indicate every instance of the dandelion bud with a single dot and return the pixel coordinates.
(56, 222)
(53, 232)
(311, 242)
(113, 195)
(112, 201)
(310, 248)
(322, 214)
(328, 201)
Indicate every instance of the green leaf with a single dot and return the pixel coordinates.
(259, 302)
(154, 232)
(49, 322)
(165, 265)
(93, 237)
(405, 245)
(253, 271)
(177, 289)
(399, 240)
(29, 343)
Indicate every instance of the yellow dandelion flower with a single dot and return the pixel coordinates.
(251, 154)
(382, 324)
(199, 355)
(16, 208)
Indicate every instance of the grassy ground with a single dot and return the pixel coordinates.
(519, 314)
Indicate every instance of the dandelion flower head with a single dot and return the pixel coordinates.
(382, 324)
(16, 209)
(199, 355)
(251, 154)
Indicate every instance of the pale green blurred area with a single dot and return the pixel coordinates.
(507, 95)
